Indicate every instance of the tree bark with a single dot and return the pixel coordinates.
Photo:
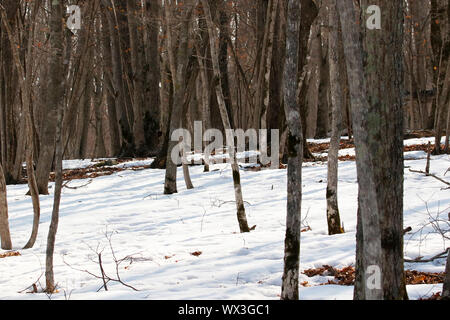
(137, 77)
(56, 99)
(369, 243)
(289, 290)
(25, 85)
(5, 235)
(179, 75)
(152, 106)
(446, 286)
(213, 38)
(324, 80)
(376, 81)
(114, 130)
(333, 218)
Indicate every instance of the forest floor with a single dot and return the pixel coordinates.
(188, 245)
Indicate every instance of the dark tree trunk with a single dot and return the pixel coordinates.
(152, 105)
(56, 99)
(376, 82)
(333, 218)
(446, 286)
(5, 235)
(289, 290)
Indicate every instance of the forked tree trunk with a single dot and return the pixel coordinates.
(213, 38)
(264, 72)
(25, 84)
(56, 99)
(178, 69)
(289, 289)
(333, 218)
(368, 243)
(375, 78)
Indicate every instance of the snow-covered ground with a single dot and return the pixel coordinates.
(161, 232)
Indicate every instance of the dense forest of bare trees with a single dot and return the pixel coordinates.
(132, 72)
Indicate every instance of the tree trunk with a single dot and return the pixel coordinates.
(267, 77)
(114, 131)
(224, 22)
(289, 290)
(179, 75)
(98, 95)
(152, 106)
(384, 73)
(446, 286)
(25, 85)
(137, 77)
(47, 147)
(5, 235)
(206, 116)
(213, 38)
(324, 81)
(369, 244)
(56, 99)
(333, 218)
(127, 147)
(376, 82)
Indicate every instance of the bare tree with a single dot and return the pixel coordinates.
(376, 78)
(213, 38)
(334, 54)
(178, 67)
(25, 84)
(289, 290)
(56, 98)
(368, 250)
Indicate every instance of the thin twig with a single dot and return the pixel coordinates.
(420, 260)
(430, 175)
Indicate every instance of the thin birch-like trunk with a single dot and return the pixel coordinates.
(242, 218)
(333, 218)
(56, 98)
(267, 76)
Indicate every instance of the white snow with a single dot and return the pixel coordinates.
(160, 232)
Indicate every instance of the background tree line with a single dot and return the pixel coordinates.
(119, 82)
